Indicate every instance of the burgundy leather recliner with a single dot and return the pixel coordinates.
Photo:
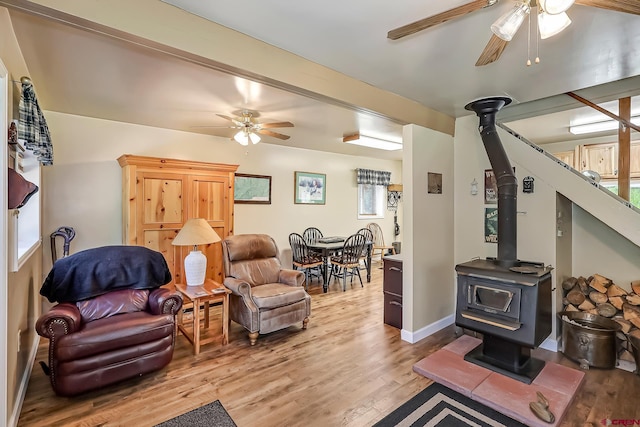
(119, 334)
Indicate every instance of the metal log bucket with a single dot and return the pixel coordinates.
(589, 339)
(635, 345)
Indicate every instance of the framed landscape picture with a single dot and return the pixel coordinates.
(310, 188)
(255, 189)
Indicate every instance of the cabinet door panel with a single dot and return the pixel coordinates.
(160, 240)
(162, 199)
(209, 197)
(602, 158)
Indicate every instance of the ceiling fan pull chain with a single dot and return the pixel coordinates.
(529, 43)
(538, 39)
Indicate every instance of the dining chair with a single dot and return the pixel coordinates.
(348, 261)
(312, 235)
(305, 260)
(368, 235)
(378, 241)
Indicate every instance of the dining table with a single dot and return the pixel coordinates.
(330, 245)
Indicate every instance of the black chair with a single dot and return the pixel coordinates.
(368, 236)
(312, 235)
(348, 261)
(304, 260)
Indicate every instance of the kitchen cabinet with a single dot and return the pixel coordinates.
(159, 195)
(601, 158)
(567, 156)
(392, 290)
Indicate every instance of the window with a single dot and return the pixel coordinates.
(371, 201)
(634, 193)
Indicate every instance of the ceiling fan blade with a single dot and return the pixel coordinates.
(273, 134)
(492, 51)
(219, 127)
(276, 125)
(625, 6)
(425, 23)
(231, 119)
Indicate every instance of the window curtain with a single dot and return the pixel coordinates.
(32, 126)
(368, 176)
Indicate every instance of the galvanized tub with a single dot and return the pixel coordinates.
(635, 345)
(589, 339)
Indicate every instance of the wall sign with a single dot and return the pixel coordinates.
(527, 184)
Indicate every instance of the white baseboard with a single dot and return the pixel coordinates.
(24, 382)
(414, 337)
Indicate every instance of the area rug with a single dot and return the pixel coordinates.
(440, 406)
(212, 414)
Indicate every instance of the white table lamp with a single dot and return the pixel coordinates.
(195, 231)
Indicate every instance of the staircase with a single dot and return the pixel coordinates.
(606, 206)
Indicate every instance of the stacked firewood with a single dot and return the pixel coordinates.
(599, 295)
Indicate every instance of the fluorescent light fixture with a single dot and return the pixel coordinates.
(599, 126)
(507, 25)
(550, 25)
(372, 142)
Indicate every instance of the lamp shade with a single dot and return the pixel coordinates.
(196, 231)
(242, 138)
(554, 7)
(508, 24)
(550, 25)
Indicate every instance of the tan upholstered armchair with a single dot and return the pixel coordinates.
(265, 297)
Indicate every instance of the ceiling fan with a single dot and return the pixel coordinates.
(551, 20)
(249, 130)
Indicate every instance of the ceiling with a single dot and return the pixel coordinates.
(87, 73)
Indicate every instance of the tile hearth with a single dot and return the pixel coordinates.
(506, 395)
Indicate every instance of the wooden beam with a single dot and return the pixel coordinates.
(624, 150)
(603, 111)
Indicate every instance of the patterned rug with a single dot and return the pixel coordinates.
(440, 406)
(212, 414)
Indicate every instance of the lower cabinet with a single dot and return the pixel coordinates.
(392, 289)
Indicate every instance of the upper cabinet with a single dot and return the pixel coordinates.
(568, 157)
(601, 158)
(635, 160)
(160, 195)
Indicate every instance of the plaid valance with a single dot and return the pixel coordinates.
(32, 126)
(368, 176)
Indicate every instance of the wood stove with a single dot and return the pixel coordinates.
(507, 300)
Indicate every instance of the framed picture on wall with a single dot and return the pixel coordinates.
(254, 189)
(310, 188)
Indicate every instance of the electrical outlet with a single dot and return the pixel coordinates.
(19, 332)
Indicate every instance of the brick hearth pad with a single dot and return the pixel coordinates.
(511, 397)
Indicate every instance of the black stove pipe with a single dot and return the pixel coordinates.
(486, 109)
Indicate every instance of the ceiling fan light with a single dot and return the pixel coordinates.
(508, 24)
(555, 7)
(241, 137)
(254, 137)
(550, 25)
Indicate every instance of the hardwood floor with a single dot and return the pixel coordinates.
(346, 369)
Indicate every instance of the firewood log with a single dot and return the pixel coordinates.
(615, 291)
(584, 285)
(626, 355)
(635, 321)
(630, 312)
(616, 302)
(592, 311)
(587, 305)
(624, 324)
(599, 283)
(597, 297)
(571, 307)
(635, 285)
(606, 310)
(569, 283)
(635, 333)
(576, 297)
(633, 299)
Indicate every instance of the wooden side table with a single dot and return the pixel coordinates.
(210, 291)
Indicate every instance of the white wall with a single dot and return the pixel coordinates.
(84, 185)
(428, 285)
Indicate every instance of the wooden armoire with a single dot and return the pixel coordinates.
(159, 195)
